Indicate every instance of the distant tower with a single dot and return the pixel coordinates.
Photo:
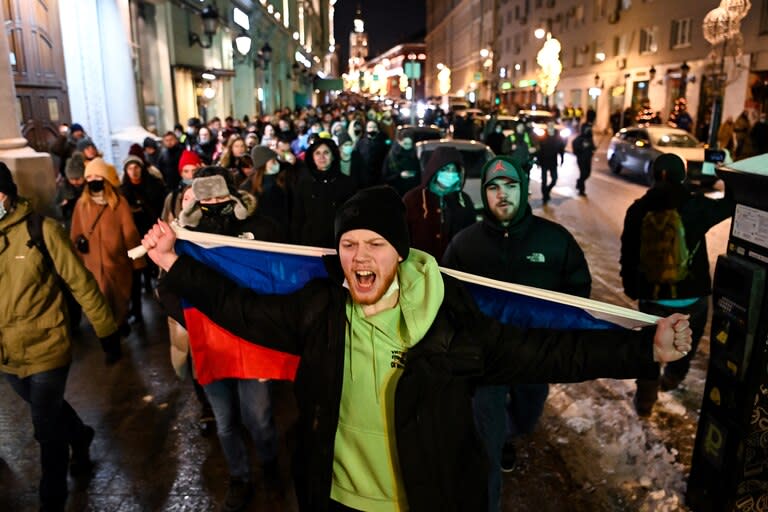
(358, 43)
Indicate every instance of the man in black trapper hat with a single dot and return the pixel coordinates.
(391, 352)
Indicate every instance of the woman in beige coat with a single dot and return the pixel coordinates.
(102, 231)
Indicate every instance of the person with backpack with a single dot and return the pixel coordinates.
(664, 263)
(37, 262)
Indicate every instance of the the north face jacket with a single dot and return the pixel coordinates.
(33, 319)
(441, 458)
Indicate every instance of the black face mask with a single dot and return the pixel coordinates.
(224, 209)
(358, 131)
(96, 186)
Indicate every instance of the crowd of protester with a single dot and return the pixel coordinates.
(283, 178)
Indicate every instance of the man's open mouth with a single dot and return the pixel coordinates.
(365, 278)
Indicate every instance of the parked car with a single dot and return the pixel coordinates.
(420, 133)
(635, 149)
(473, 153)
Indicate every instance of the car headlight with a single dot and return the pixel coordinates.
(539, 132)
(565, 133)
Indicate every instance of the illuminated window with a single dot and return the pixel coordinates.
(681, 33)
(649, 40)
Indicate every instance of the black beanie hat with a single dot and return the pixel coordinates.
(379, 209)
(7, 186)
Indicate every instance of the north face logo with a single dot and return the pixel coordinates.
(536, 257)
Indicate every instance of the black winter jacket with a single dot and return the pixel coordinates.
(441, 457)
(316, 197)
(698, 213)
(534, 252)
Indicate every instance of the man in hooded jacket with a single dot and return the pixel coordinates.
(439, 208)
(513, 245)
(391, 351)
(698, 214)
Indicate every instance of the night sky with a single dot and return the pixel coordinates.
(387, 23)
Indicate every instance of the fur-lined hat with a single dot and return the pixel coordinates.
(210, 187)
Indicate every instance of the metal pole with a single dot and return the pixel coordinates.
(413, 101)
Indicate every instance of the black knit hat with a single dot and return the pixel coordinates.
(669, 168)
(7, 185)
(379, 209)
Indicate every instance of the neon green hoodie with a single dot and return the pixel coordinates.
(366, 471)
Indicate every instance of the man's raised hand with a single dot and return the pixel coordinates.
(159, 242)
(672, 339)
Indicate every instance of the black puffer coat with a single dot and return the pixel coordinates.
(441, 457)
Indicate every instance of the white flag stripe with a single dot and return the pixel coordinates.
(557, 297)
(609, 312)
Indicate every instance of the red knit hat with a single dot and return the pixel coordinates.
(189, 158)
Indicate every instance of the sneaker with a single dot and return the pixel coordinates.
(508, 457)
(669, 382)
(80, 464)
(206, 424)
(238, 496)
(645, 396)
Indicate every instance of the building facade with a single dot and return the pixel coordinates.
(128, 69)
(614, 54)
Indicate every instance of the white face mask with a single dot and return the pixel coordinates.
(347, 149)
(3, 211)
(273, 169)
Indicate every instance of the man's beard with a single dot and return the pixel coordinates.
(384, 280)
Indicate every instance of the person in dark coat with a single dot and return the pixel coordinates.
(402, 170)
(691, 295)
(583, 148)
(439, 208)
(351, 162)
(205, 145)
(66, 144)
(269, 185)
(68, 191)
(320, 190)
(373, 148)
(513, 245)
(168, 162)
(495, 139)
(145, 195)
(391, 352)
(551, 149)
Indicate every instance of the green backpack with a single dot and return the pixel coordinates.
(664, 256)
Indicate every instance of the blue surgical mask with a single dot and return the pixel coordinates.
(187, 181)
(448, 178)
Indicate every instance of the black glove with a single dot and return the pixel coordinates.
(111, 347)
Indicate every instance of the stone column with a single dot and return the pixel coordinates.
(33, 172)
(100, 79)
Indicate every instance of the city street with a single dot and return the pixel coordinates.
(590, 453)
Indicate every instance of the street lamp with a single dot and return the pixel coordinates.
(210, 19)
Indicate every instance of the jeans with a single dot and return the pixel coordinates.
(497, 420)
(241, 403)
(56, 426)
(698, 311)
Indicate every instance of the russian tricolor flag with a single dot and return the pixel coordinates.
(274, 268)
